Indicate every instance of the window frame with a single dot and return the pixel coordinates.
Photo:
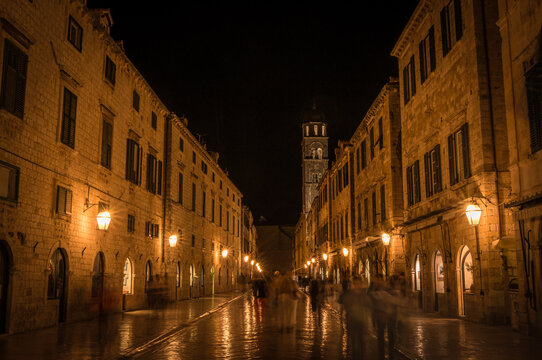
(13, 182)
(69, 118)
(13, 90)
(77, 42)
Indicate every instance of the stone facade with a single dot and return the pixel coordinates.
(82, 132)
(520, 23)
(275, 248)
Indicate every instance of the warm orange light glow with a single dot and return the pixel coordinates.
(173, 240)
(313, 260)
(246, 258)
(386, 239)
(345, 251)
(251, 262)
(324, 256)
(103, 218)
(224, 253)
(473, 213)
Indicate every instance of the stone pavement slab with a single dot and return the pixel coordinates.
(115, 336)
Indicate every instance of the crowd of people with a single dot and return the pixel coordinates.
(377, 307)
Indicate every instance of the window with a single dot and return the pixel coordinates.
(9, 182)
(154, 120)
(193, 240)
(133, 161)
(366, 212)
(181, 144)
(233, 224)
(57, 275)
(380, 134)
(363, 154)
(110, 70)
(533, 82)
(227, 220)
(63, 201)
(213, 177)
(374, 207)
(152, 230)
(154, 175)
(458, 155)
(203, 167)
(382, 203)
(180, 188)
(75, 34)
(451, 25)
(127, 284)
(13, 79)
(228, 192)
(358, 160)
(69, 111)
(220, 184)
(307, 130)
(409, 81)
(345, 174)
(413, 183)
(220, 215)
(135, 100)
(433, 179)
(427, 55)
(213, 210)
(193, 197)
(193, 157)
(178, 275)
(372, 142)
(131, 223)
(203, 198)
(107, 142)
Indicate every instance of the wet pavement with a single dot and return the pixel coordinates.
(239, 326)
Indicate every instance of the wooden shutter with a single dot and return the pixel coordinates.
(372, 142)
(129, 156)
(428, 180)
(139, 166)
(410, 196)
(406, 85)
(380, 134)
(437, 171)
(444, 30)
(432, 57)
(107, 137)
(383, 203)
(68, 209)
(12, 96)
(533, 81)
(451, 160)
(458, 20)
(180, 188)
(466, 151)
(60, 200)
(374, 207)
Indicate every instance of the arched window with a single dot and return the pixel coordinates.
(128, 282)
(57, 275)
(319, 153)
(307, 130)
(323, 130)
(178, 275)
(98, 275)
(316, 130)
(439, 273)
(191, 275)
(467, 270)
(202, 276)
(148, 274)
(417, 274)
(313, 153)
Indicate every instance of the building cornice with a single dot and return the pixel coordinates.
(423, 8)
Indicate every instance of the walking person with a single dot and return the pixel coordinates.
(287, 301)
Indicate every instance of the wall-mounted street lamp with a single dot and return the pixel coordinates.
(172, 240)
(313, 260)
(324, 256)
(345, 251)
(385, 239)
(473, 213)
(246, 258)
(224, 253)
(251, 262)
(305, 265)
(308, 263)
(103, 219)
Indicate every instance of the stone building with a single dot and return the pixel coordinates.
(377, 190)
(455, 154)
(520, 24)
(275, 248)
(82, 134)
(249, 238)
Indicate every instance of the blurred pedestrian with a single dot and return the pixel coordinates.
(384, 315)
(355, 304)
(315, 293)
(287, 301)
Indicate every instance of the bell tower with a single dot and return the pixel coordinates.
(314, 152)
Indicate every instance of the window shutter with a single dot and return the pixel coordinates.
(60, 200)
(444, 30)
(159, 182)
(451, 160)
(372, 142)
(534, 100)
(417, 181)
(432, 57)
(14, 79)
(423, 66)
(406, 86)
(139, 167)
(458, 20)
(427, 168)
(466, 151)
(73, 111)
(68, 201)
(180, 188)
(438, 175)
(412, 76)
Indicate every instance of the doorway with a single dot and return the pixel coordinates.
(56, 283)
(212, 280)
(466, 278)
(5, 265)
(98, 281)
(417, 280)
(438, 273)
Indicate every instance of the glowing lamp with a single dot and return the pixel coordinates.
(473, 213)
(386, 239)
(251, 262)
(305, 265)
(224, 253)
(308, 262)
(313, 260)
(324, 256)
(173, 240)
(103, 218)
(345, 251)
(246, 258)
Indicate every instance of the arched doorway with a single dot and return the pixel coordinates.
(466, 278)
(128, 281)
(212, 278)
(98, 280)
(191, 283)
(5, 265)
(417, 279)
(202, 281)
(368, 272)
(438, 274)
(148, 275)
(56, 282)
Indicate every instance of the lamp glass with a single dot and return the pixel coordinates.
(224, 253)
(246, 258)
(251, 262)
(385, 239)
(345, 251)
(173, 240)
(313, 260)
(308, 262)
(473, 213)
(324, 256)
(103, 219)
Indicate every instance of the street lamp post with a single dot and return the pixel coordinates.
(386, 242)
(473, 213)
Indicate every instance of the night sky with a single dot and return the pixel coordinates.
(242, 73)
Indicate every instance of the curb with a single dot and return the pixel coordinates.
(138, 350)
